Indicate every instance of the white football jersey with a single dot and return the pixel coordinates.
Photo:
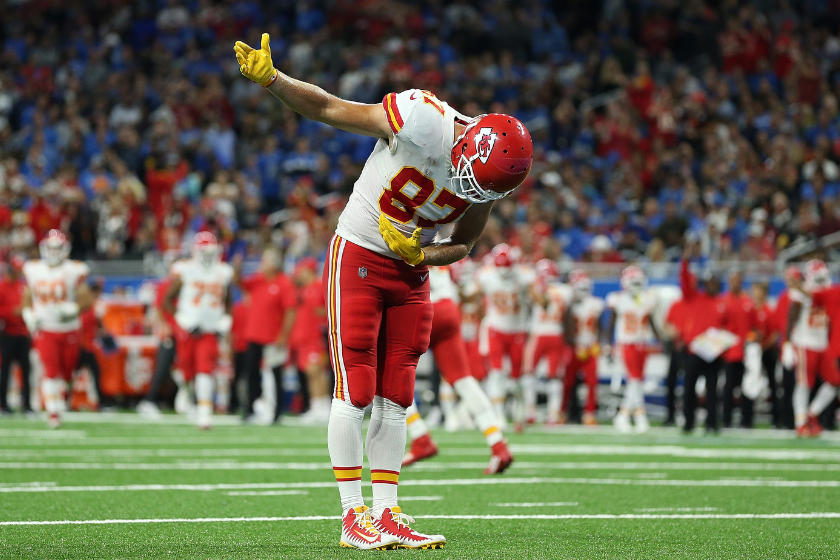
(587, 313)
(505, 299)
(631, 325)
(811, 329)
(470, 320)
(201, 301)
(441, 285)
(52, 286)
(548, 321)
(408, 181)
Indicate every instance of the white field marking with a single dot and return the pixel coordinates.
(128, 453)
(414, 498)
(533, 504)
(268, 493)
(680, 510)
(445, 482)
(25, 484)
(664, 433)
(673, 451)
(124, 418)
(437, 466)
(45, 434)
(599, 516)
(194, 438)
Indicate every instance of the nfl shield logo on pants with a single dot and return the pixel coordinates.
(362, 272)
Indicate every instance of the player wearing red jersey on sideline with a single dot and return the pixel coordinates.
(582, 330)
(431, 166)
(630, 320)
(15, 341)
(239, 346)
(546, 343)
(56, 294)
(199, 298)
(768, 338)
(505, 291)
(307, 345)
(787, 356)
(808, 334)
(451, 357)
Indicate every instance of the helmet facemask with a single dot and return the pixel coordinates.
(53, 251)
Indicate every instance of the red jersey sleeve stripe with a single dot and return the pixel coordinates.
(395, 120)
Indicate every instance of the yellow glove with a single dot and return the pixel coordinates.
(595, 350)
(582, 354)
(256, 64)
(407, 248)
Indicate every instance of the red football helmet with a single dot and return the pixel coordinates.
(547, 270)
(491, 157)
(581, 283)
(817, 275)
(206, 249)
(54, 248)
(633, 279)
(504, 256)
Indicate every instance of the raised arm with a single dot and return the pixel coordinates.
(688, 282)
(307, 99)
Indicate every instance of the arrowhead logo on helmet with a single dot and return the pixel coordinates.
(484, 142)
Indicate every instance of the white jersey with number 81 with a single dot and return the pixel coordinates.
(201, 301)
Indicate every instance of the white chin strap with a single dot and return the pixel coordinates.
(471, 191)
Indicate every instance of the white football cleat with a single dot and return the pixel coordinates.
(395, 523)
(622, 423)
(54, 420)
(640, 419)
(358, 531)
(148, 410)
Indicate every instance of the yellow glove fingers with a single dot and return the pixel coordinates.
(415, 237)
(240, 58)
(242, 46)
(264, 44)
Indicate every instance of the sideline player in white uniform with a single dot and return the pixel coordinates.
(631, 320)
(807, 351)
(431, 166)
(582, 330)
(56, 294)
(505, 290)
(550, 298)
(452, 360)
(201, 286)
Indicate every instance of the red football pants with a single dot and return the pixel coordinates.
(812, 363)
(447, 343)
(545, 347)
(478, 367)
(635, 356)
(196, 353)
(590, 376)
(511, 345)
(380, 320)
(59, 353)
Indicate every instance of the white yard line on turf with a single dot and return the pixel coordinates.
(414, 498)
(268, 493)
(598, 516)
(533, 504)
(128, 453)
(682, 510)
(444, 482)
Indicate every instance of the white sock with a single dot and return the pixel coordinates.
(800, 404)
(416, 426)
(555, 393)
(825, 394)
(528, 383)
(52, 390)
(480, 408)
(385, 446)
(344, 439)
(634, 395)
(496, 391)
(319, 404)
(447, 399)
(204, 396)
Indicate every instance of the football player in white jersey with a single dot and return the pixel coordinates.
(550, 298)
(199, 298)
(55, 296)
(631, 320)
(451, 357)
(505, 290)
(582, 329)
(431, 166)
(807, 351)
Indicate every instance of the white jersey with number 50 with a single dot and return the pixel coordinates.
(811, 329)
(632, 312)
(201, 301)
(408, 180)
(52, 286)
(548, 321)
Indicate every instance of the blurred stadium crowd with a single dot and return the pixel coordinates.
(127, 124)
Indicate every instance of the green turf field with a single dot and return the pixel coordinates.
(122, 488)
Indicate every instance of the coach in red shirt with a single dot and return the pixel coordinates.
(703, 311)
(273, 300)
(741, 319)
(15, 341)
